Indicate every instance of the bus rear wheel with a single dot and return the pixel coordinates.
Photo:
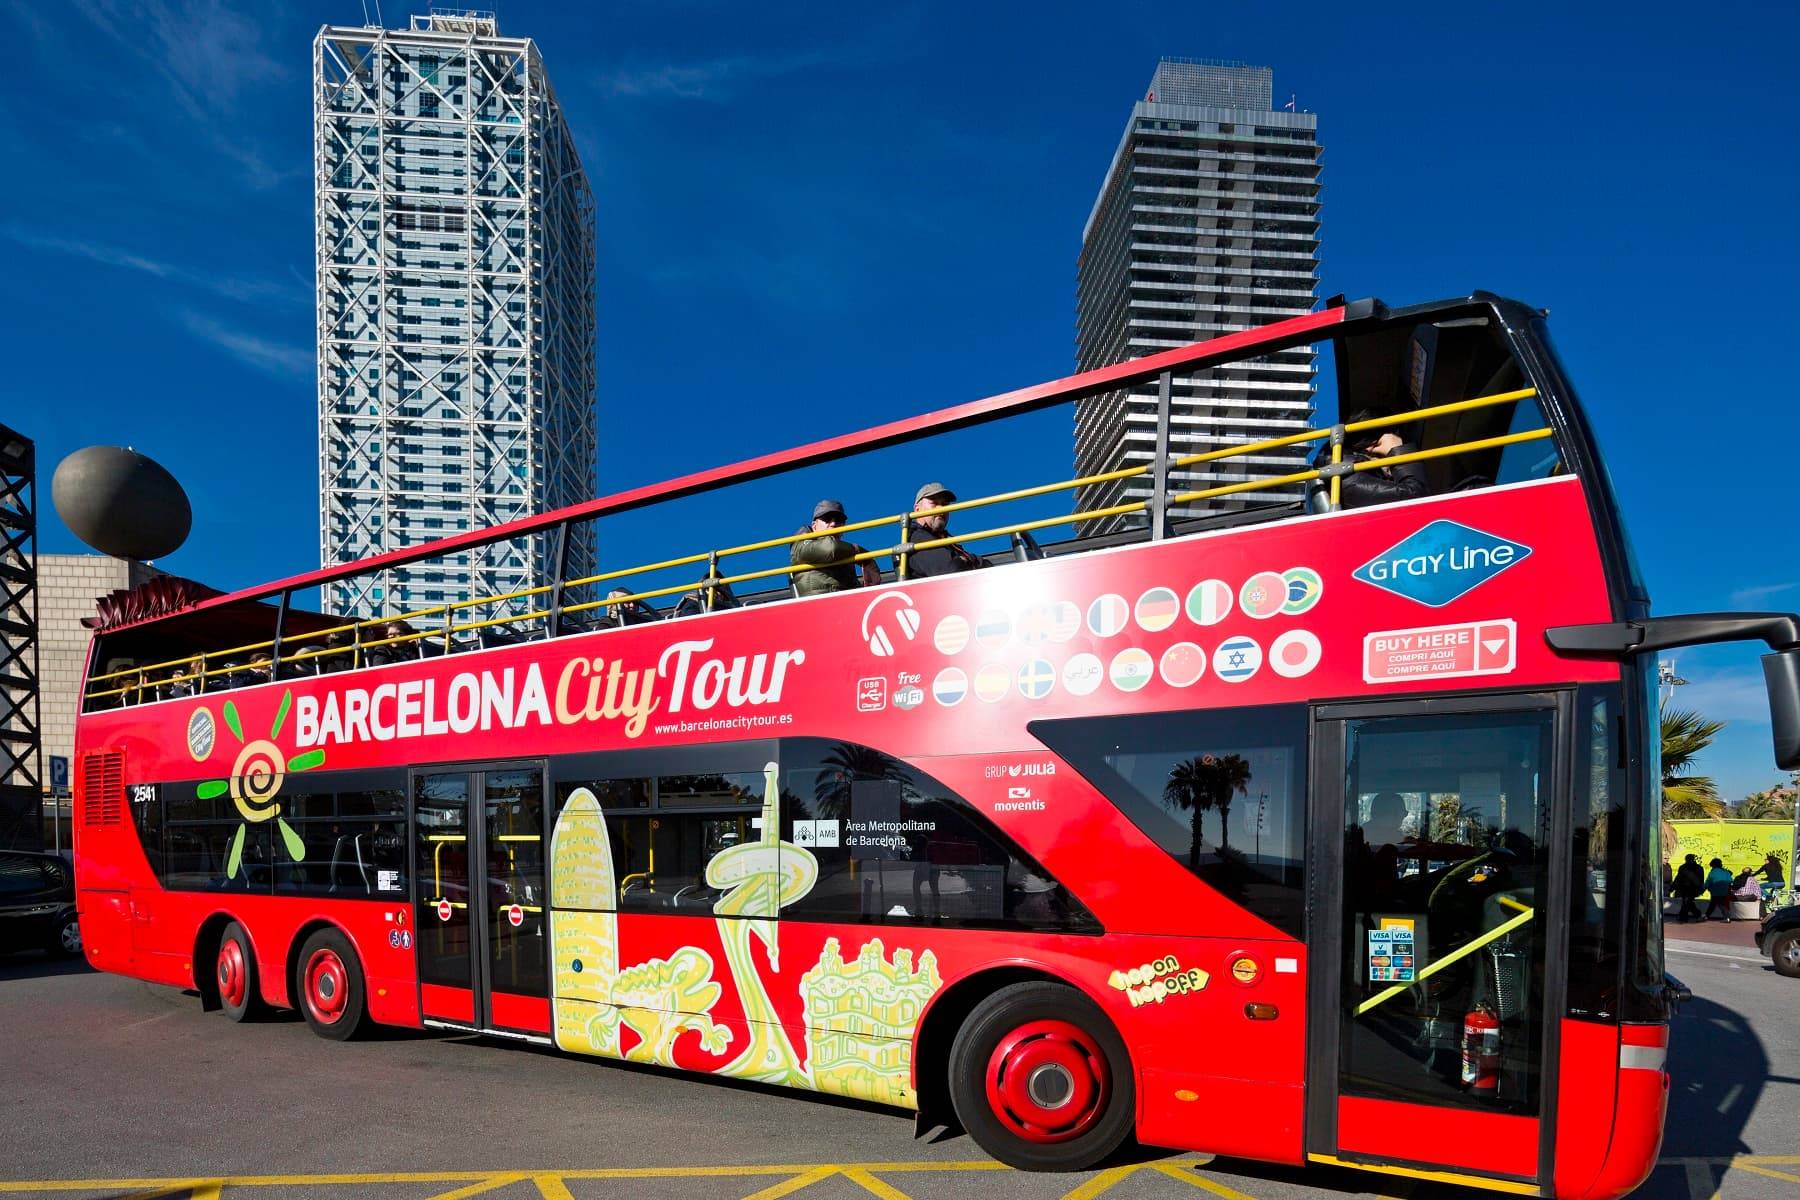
(1041, 1080)
(234, 970)
(330, 986)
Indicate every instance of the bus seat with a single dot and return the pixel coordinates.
(1025, 547)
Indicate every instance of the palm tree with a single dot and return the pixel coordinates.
(1770, 804)
(843, 765)
(1189, 790)
(1229, 774)
(1684, 735)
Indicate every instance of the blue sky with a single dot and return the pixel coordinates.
(812, 218)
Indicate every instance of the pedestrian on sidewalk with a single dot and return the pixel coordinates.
(1718, 890)
(1688, 885)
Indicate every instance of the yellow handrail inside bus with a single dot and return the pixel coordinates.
(1525, 912)
(141, 678)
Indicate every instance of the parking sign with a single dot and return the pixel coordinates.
(59, 773)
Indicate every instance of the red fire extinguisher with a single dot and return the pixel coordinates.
(1481, 1053)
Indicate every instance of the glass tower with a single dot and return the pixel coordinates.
(455, 259)
(1207, 223)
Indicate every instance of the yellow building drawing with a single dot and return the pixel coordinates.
(860, 1020)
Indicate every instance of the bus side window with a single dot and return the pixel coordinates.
(1221, 791)
(894, 845)
(353, 827)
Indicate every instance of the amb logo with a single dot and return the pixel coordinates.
(1441, 562)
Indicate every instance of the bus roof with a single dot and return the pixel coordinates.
(1295, 330)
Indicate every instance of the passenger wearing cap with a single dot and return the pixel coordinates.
(939, 560)
(828, 557)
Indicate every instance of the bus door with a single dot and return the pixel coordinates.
(1432, 823)
(479, 907)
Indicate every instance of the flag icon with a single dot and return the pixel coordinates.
(1036, 678)
(1262, 595)
(1304, 587)
(1131, 669)
(992, 682)
(1082, 674)
(1157, 609)
(950, 686)
(1034, 624)
(1209, 602)
(1294, 653)
(951, 635)
(1065, 621)
(1107, 615)
(1182, 664)
(994, 630)
(1237, 659)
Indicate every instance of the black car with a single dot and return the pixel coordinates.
(37, 904)
(1779, 938)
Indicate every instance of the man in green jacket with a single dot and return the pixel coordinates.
(828, 556)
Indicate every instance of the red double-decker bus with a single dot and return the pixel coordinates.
(1300, 804)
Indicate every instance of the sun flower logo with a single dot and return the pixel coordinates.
(255, 783)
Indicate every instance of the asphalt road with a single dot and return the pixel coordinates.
(110, 1087)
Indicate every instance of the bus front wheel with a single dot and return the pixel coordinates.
(1786, 953)
(234, 969)
(1041, 1080)
(330, 986)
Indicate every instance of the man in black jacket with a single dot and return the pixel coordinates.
(1382, 485)
(939, 560)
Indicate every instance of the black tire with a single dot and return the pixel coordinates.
(1785, 951)
(1041, 1080)
(65, 942)
(329, 988)
(234, 974)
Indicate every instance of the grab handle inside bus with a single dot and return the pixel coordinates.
(1781, 670)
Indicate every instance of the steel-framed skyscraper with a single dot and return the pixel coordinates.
(455, 260)
(1207, 223)
(21, 713)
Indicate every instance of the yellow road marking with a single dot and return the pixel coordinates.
(1701, 1181)
(1099, 1183)
(1704, 1176)
(197, 1189)
(789, 1186)
(551, 1187)
(875, 1187)
(1756, 1169)
(1183, 1172)
(491, 1183)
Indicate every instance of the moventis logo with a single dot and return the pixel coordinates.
(1441, 562)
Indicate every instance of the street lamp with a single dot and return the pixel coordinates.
(1668, 679)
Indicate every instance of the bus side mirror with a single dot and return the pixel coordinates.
(1781, 671)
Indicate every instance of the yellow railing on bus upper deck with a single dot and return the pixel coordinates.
(191, 671)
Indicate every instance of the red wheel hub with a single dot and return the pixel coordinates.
(234, 981)
(1047, 1081)
(327, 986)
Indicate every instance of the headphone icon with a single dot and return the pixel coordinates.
(902, 626)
